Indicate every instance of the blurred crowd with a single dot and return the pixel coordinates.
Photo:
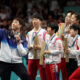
(50, 10)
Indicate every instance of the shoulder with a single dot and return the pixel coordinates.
(3, 30)
(30, 32)
(78, 38)
(43, 30)
(58, 40)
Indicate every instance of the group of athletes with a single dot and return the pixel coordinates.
(61, 54)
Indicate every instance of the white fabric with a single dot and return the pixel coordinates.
(41, 37)
(56, 50)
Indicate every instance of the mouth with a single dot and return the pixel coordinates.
(14, 26)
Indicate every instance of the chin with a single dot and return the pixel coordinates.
(71, 35)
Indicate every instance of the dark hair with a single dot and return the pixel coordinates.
(77, 16)
(21, 22)
(38, 17)
(53, 26)
(75, 27)
(72, 12)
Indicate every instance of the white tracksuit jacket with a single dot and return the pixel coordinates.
(41, 33)
(55, 46)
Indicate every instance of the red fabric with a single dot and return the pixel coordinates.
(33, 66)
(28, 35)
(51, 71)
(44, 35)
(48, 73)
(64, 69)
(77, 45)
(75, 75)
(56, 40)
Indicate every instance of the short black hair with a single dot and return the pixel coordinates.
(38, 16)
(72, 12)
(53, 26)
(75, 27)
(21, 21)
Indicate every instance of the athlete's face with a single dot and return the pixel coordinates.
(68, 18)
(72, 32)
(73, 19)
(36, 22)
(15, 26)
(48, 30)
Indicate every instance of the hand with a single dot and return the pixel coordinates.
(47, 51)
(37, 47)
(18, 39)
(30, 48)
(67, 51)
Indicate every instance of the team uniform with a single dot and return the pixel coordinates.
(33, 64)
(53, 59)
(62, 28)
(75, 51)
(72, 58)
(11, 55)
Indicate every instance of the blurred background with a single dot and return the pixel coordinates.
(50, 10)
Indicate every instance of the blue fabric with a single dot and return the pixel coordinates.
(57, 76)
(7, 38)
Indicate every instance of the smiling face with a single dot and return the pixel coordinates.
(15, 26)
(73, 19)
(68, 18)
(73, 32)
(50, 31)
